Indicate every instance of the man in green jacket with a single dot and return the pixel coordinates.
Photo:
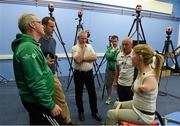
(111, 54)
(33, 77)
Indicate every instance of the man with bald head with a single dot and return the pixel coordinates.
(84, 56)
(124, 72)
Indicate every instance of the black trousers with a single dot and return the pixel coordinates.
(39, 115)
(124, 92)
(87, 78)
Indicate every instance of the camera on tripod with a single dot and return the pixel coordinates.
(51, 7)
(138, 9)
(80, 14)
(138, 27)
(169, 30)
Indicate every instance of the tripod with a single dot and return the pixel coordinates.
(96, 68)
(3, 79)
(104, 59)
(166, 54)
(95, 65)
(170, 55)
(79, 28)
(101, 63)
(139, 30)
(51, 9)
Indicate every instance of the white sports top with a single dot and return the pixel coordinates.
(145, 101)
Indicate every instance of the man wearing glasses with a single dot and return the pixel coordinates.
(33, 77)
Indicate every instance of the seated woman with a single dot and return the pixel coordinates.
(140, 110)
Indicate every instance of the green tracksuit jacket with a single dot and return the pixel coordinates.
(33, 77)
(111, 57)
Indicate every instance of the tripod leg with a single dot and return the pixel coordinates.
(160, 76)
(98, 71)
(3, 80)
(96, 74)
(142, 31)
(63, 45)
(71, 77)
(141, 37)
(101, 76)
(70, 69)
(137, 29)
(101, 63)
(164, 53)
(98, 66)
(78, 29)
(132, 27)
(103, 91)
(173, 51)
(133, 34)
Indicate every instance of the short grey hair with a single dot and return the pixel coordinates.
(24, 22)
(80, 33)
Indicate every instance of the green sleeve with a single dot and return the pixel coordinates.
(111, 54)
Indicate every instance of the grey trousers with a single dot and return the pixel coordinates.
(122, 111)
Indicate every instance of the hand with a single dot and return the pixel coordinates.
(50, 61)
(56, 111)
(83, 46)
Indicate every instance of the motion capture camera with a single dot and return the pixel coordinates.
(110, 37)
(80, 14)
(138, 8)
(51, 7)
(169, 30)
(88, 33)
